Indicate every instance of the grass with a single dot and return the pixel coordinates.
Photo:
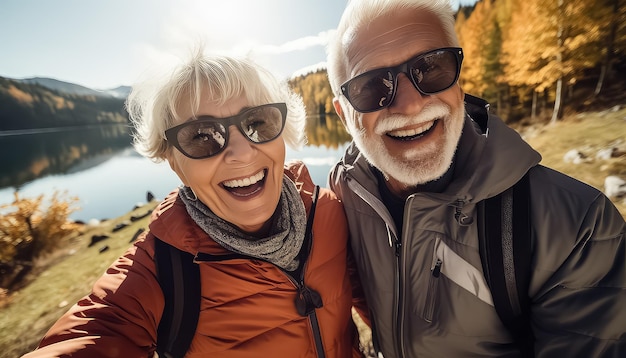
(26, 315)
(588, 133)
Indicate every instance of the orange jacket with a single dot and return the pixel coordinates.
(247, 306)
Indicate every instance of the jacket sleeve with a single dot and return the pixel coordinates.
(581, 306)
(333, 182)
(358, 296)
(118, 318)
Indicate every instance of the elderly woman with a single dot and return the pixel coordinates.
(270, 247)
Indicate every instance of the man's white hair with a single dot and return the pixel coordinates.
(359, 13)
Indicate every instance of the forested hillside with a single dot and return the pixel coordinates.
(30, 106)
(323, 126)
(537, 57)
(315, 91)
(529, 58)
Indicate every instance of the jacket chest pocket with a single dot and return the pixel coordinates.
(428, 305)
(457, 297)
(431, 294)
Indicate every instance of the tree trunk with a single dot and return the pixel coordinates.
(603, 70)
(610, 45)
(499, 99)
(556, 113)
(533, 112)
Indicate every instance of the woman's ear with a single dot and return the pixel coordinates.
(171, 160)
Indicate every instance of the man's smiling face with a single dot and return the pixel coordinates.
(413, 140)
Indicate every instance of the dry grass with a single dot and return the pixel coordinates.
(27, 314)
(588, 133)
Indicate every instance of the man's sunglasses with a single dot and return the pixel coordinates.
(431, 72)
(207, 136)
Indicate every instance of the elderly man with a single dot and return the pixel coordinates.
(416, 183)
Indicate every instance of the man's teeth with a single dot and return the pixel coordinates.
(237, 183)
(412, 132)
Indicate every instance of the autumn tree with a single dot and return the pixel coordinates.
(521, 51)
(315, 91)
(480, 48)
(611, 16)
(323, 127)
(549, 46)
(28, 229)
(481, 35)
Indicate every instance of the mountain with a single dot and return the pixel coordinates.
(119, 92)
(65, 87)
(72, 88)
(35, 103)
(303, 72)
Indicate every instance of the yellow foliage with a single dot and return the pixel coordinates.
(27, 229)
(549, 40)
(20, 95)
(39, 166)
(60, 103)
(476, 36)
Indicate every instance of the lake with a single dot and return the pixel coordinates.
(99, 166)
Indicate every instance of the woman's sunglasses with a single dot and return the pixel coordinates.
(207, 136)
(431, 72)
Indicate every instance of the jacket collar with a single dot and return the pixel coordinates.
(490, 158)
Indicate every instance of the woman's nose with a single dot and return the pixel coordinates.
(239, 148)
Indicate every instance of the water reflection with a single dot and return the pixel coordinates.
(326, 130)
(99, 166)
(28, 156)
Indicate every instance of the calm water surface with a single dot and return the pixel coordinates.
(99, 166)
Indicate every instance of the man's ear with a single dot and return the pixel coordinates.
(339, 111)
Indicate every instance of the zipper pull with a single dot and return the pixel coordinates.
(437, 268)
(459, 215)
(398, 245)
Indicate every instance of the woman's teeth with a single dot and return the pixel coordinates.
(238, 183)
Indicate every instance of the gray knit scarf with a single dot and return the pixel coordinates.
(282, 245)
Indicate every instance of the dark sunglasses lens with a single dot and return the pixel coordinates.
(262, 124)
(435, 72)
(202, 139)
(371, 91)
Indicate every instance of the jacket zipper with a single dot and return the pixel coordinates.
(396, 245)
(433, 282)
(432, 291)
(317, 336)
(312, 318)
(400, 279)
(398, 294)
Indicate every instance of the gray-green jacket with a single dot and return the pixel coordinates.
(578, 279)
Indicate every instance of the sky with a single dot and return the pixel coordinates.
(106, 44)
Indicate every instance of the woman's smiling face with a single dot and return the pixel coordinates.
(242, 184)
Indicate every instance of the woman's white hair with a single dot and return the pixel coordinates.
(153, 104)
(359, 13)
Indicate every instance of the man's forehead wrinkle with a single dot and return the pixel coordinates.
(391, 39)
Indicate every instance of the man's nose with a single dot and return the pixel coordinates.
(408, 100)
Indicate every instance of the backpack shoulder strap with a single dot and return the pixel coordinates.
(504, 229)
(179, 278)
(478, 110)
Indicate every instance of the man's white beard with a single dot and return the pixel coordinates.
(424, 162)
